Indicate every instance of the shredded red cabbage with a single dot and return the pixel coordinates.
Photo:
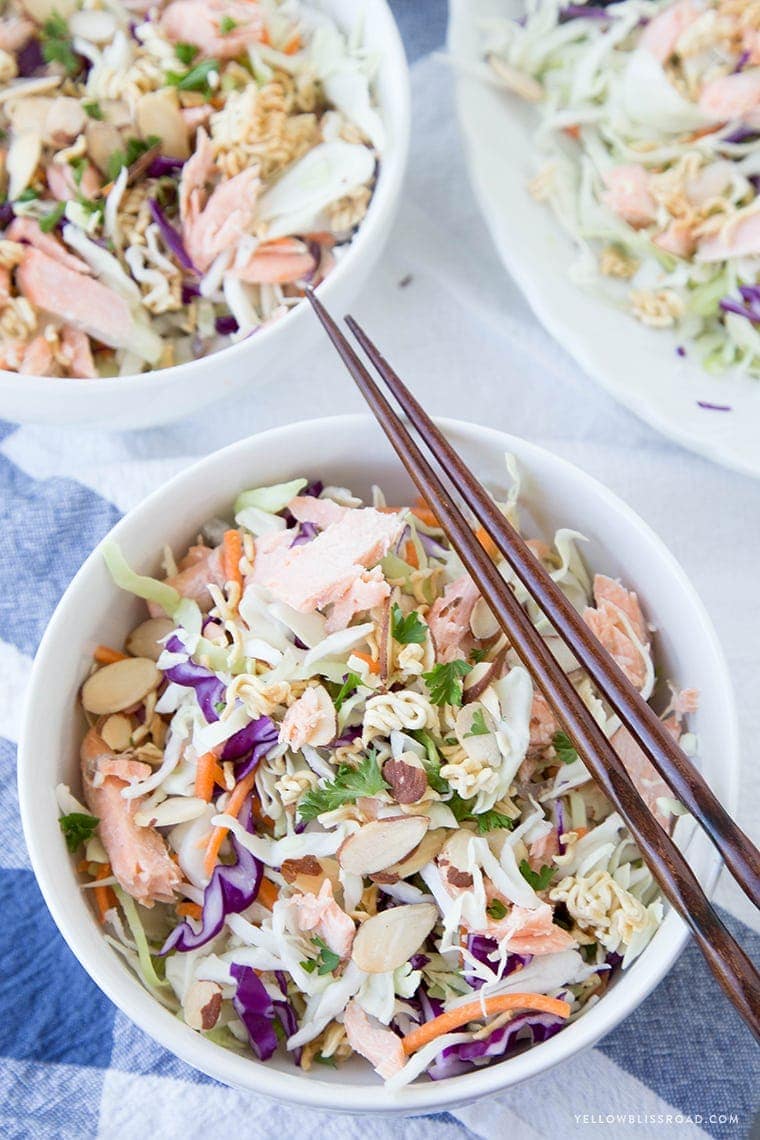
(232, 889)
(482, 948)
(209, 690)
(225, 326)
(305, 533)
(249, 745)
(29, 58)
(750, 309)
(171, 236)
(255, 1009)
(163, 165)
(526, 1029)
(584, 12)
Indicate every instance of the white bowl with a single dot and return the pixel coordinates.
(351, 450)
(166, 394)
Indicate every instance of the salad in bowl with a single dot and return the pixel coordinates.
(322, 811)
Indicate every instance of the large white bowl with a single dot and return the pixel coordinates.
(350, 450)
(637, 365)
(167, 394)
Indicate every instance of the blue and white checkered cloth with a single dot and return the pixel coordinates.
(71, 1065)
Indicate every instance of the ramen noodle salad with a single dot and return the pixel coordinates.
(171, 174)
(649, 137)
(325, 811)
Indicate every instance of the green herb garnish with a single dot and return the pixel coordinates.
(564, 747)
(134, 149)
(56, 45)
(77, 828)
(539, 880)
(28, 195)
(486, 820)
(322, 1060)
(431, 762)
(349, 784)
(186, 53)
(197, 79)
(227, 25)
(444, 682)
(51, 220)
(326, 960)
(93, 109)
(496, 910)
(347, 689)
(478, 655)
(478, 726)
(407, 629)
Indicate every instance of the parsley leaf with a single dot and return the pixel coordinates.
(93, 109)
(348, 785)
(77, 828)
(197, 79)
(28, 195)
(486, 820)
(431, 761)
(186, 53)
(51, 220)
(227, 25)
(56, 45)
(539, 880)
(478, 726)
(407, 629)
(564, 748)
(496, 910)
(326, 960)
(478, 655)
(444, 682)
(347, 689)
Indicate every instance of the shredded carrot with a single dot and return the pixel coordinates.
(374, 666)
(232, 552)
(268, 893)
(487, 543)
(425, 515)
(293, 45)
(573, 131)
(189, 910)
(264, 37)
(104, 655)
(83, 865)
(105, 898)
(477, 1011)
(580, 831)
(410, 554)
(218, 835)
(206, 776)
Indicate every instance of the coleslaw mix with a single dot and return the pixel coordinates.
(325, 810)
(172, 174)
(649, 121)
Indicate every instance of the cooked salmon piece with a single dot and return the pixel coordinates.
(525, 931)
(201, 23)
(739, 238)
(197, 173)
(661, 35)
(60, 179)
(609, 628)
(75, 299)
(449, 619)
(5, 285)
(76, 348)
(732, 97)
(366, 1036)
(608, 590)
(38, 358)
(277, 262)
(321, 512)
(227, 216)
(138, 855)
(321, 915)
(310, 720)
(543, 724)
(542, 851)
(14, 33)
(28, 230)
(313, 575)
(193, 581)
(627, 194)
(648, 781)
(365, 592)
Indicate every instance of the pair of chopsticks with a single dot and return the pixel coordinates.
(728, 962)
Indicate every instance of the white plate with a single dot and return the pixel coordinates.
(637, 365)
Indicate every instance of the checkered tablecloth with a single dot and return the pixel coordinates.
(71, 1065)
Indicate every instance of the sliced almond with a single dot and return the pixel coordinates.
(377, 845)
(103, 140)
(406, 777)
(144, 640)
(427, 849)
(117, 732)
(202, 1005)
(158, 114)
(120, 686)
(388, 939)
(308, 874)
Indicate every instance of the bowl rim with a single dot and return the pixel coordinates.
(392, 169)
(140, 1007)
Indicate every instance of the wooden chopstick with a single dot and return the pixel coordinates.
(738, 852)
(728, 962)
